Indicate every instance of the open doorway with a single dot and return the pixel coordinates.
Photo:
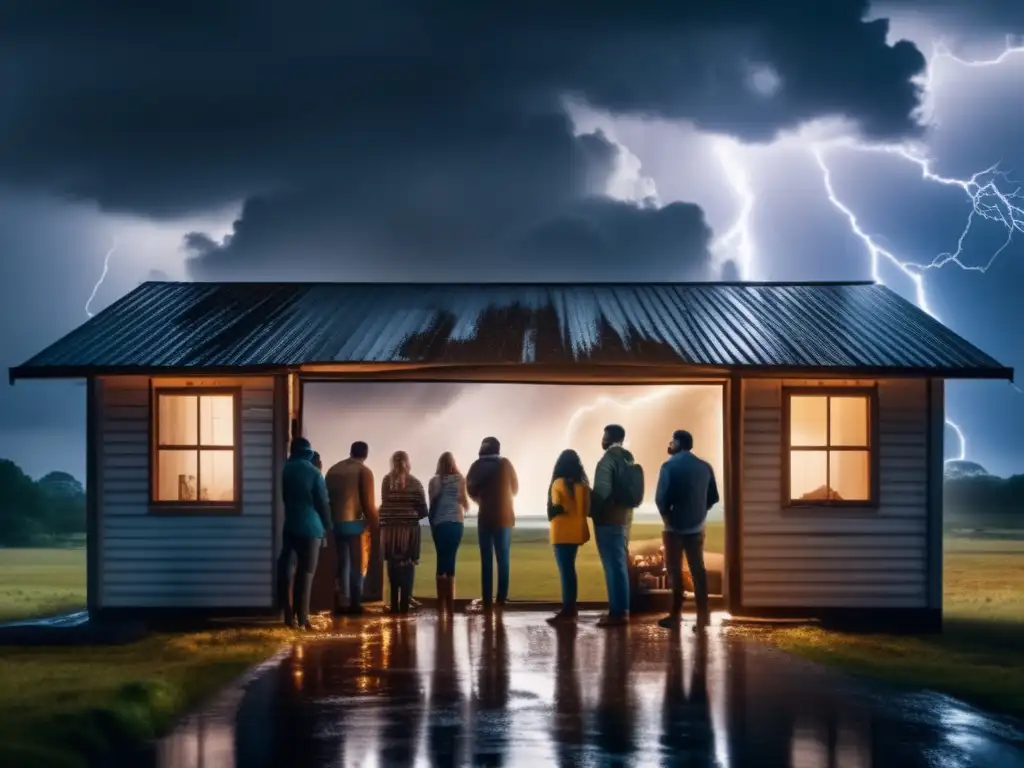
(534, 423)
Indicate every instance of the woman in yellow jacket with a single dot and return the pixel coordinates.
(568, 510)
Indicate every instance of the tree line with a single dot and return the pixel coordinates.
(984, 502)
(34, 512)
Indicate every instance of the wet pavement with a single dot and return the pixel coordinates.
(510, 690)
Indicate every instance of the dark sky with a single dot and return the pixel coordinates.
(556, 141)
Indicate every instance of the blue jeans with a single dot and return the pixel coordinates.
(495, 544)
(612, 547)
(447, 538)
(565, 557)
(350, 567)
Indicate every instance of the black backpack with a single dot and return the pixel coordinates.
(629, 485)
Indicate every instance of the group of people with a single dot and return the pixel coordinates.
(343, 501)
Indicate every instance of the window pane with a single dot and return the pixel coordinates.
(217, 420)
(177, 419)
(807, 420)
(849, 422)
(850, 476)
(217, 473)
(176, 473)
(808, 475)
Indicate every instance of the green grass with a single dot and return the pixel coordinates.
(37, 582)
(534, 575)
(979, 657)
(61, 707)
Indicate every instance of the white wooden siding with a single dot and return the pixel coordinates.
(150, 561)
(837, 558)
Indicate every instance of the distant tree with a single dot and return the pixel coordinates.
(21, 506)
(63, 504)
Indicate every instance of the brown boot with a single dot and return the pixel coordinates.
(450, 595)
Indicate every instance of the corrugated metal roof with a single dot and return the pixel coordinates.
(802, 326)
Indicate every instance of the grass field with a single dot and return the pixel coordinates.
(59, 707)
(978, 657)
(534, 575)
(37, 582)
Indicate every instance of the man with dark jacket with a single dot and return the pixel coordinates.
(492, 484)
(686, 491)
(612, 521)
(306, 519)
(350, 486)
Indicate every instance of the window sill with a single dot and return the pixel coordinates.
(809, 508)
(194, 510)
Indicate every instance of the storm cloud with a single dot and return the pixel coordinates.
(396, 139)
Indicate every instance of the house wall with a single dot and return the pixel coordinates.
(193, 561)
(840, 558)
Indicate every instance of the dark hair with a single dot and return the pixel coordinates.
(684, 438)
(490, 446)
(569, 468)
(298, 445)
(615, 433)
(359, 450)
(446, 464)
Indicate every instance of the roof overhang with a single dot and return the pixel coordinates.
(513, 372)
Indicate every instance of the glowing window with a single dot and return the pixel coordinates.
(195, 461)
(829, 448)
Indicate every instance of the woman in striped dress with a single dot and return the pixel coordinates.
(403, 504)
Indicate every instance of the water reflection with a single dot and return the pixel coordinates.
(511, 690)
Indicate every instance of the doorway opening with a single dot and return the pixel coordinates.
(534, 423)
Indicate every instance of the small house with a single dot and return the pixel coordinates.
(832, 420)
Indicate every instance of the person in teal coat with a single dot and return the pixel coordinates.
(306, 520)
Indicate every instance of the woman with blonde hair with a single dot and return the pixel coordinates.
(568, 509)
(403, 504)
(448, 504)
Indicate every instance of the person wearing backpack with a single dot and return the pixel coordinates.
(618, 490)
(686, 491)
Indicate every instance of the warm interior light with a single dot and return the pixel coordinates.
(195, 458)
(819, 423)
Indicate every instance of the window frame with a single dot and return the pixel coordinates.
(200, 508)
(871, 393)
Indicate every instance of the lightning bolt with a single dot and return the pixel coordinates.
(103, 276)
(988, 201)
(604, 401)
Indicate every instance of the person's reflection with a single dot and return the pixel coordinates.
(567, 729)
(490, 700)
(446, 711)
(296, 721)
(615, 710)
(687, 731)
(403, 695)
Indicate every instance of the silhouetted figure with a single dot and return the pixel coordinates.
(613, 516)
(492, 484)
(306, 518)
(350, 484)
(446, 737)
(568, 730)
(448, 504)
(403, 504)
(568, 508)
(490, 702)
(687, 731)
(686, 491)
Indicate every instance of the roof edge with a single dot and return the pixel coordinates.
(519, 284)
(754, 371)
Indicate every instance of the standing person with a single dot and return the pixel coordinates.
(306, 518)
(350, 485)
(492, 484)
(686, 491)
(402, 505)
(568, 507)
(448, 504)
(618, 490)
